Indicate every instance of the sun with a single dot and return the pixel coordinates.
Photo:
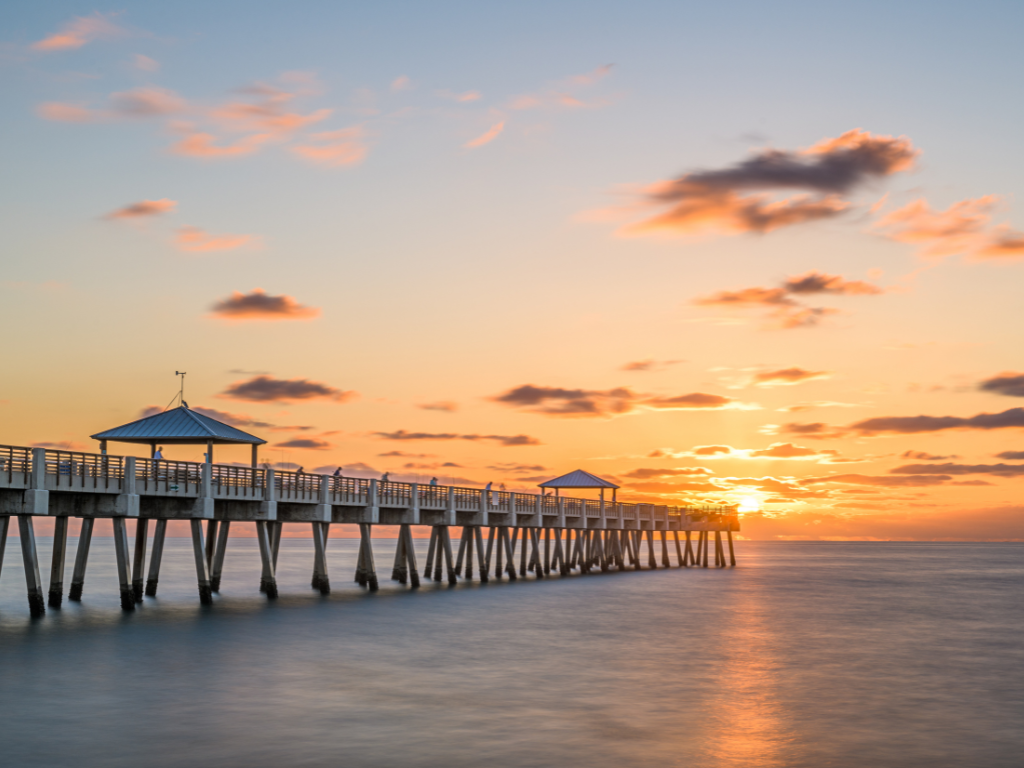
(749, 504)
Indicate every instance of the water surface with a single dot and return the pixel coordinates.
(806, 654)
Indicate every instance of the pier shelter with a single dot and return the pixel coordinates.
(579, 480)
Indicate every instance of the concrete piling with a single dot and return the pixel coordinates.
(124, 574)
(268, 578)
(218, 555)
(202, 564)
(30, 557)
(153, 577)
(81, 559)
(139, 558)
(60, 546)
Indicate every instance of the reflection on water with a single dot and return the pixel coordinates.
(804, 655)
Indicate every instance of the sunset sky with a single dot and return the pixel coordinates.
(768, 254)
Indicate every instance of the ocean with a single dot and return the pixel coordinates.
(805, 654)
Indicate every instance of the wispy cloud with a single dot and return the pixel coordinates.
(487, 137)
(79, 31)
(446, 406)
(504, 440)
(143, 209)
(644, 366)
(197, 240)
(787, 377)
(784, 311)
(593, 403)
(334, 148)
(258, 305)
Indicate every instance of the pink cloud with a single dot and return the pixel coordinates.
(65, 113)
(965, 228)
(338, 148)
(486, 138)
(198, 144)
(197, 240)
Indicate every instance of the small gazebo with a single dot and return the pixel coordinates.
(580, 480)
(179, 426)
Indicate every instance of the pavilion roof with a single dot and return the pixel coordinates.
(179, 425)
(578, 479)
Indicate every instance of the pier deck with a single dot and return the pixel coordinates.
(576, 533)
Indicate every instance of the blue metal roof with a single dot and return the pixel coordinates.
(578, 479)
(181, 425)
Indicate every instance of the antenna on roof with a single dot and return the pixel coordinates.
(181, 392)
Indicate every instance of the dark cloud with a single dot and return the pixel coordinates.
(258, 305)
(143, 209)
(783, 310)
(1009, 455)
(517, 468)
(922, 456)
(1002, 470)
(505, 440)
(1014, 417)
(815, 430)
(1009, 384)
(234, 419)
(787, 376)
(263, 389)
(434, 465)
(744, 198)
(310, 444)
(403, 454)
(591, 403)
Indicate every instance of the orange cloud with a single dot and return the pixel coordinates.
(78, 32)
(341, 148)
(197, 240)
(963, 228)
(143, 209)
(267, 113)
(740, 198)
(259, 306)
(486, 138)
(787, 377)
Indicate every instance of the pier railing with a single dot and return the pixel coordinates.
(75, 470)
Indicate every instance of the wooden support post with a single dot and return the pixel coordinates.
(428, 567)
(493, 534)
(688, 558)
(679, 550)
(218, 554)
(399, 572)
(704, 536)
(410, 556)
(439, 552)
(159, 534)
(268, 578)
(202, 564)
(60, 548)
(139, 558)
(652, 561)
(81, 559)
(732, 552)
(366, 536)
(462, 550)
(27, 533)
(211, 542)
(320, 580)
(485, 561)
(664, 549)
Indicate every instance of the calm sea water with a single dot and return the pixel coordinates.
(806, 654)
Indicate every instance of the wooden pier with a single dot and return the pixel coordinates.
(503, 534)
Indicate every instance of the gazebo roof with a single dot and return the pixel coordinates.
(578, 479)
(180, 425)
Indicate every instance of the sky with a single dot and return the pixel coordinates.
(766, 255)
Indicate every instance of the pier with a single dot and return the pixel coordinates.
(504, 534)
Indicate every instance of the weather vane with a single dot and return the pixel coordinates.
(181, 392)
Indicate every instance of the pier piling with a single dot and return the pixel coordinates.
(268, 578)
(139, 558)
(153, 577)
(81, 559)
(202, 564)
(218, 555)
(60, 546)
(124, 574)
(30, 557)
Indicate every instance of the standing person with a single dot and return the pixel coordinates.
(158, 454)
(433, 482)
(433, 489)
(491, 494)
(337, 472)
